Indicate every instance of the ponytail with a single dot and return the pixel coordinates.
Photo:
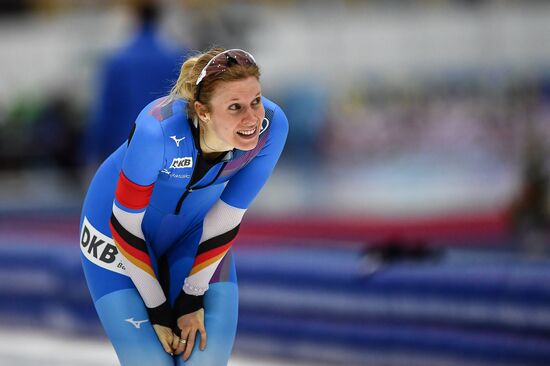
(184, 87)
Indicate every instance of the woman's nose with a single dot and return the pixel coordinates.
(250, 117)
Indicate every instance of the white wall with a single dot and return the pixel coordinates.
(330, 42)
(341, 44)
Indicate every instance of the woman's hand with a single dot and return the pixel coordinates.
(167, 338)
(189, 325)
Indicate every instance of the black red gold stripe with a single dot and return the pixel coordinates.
(218, 241)
(213, 250)
(132, 247)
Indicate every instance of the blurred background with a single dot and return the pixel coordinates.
(407, 222)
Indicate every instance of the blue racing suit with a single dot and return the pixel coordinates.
(156, 231)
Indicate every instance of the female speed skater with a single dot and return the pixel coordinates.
(162, 212)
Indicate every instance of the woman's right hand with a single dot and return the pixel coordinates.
(190, 324)
(167, 338)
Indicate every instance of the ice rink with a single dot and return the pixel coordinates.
(406, 223)
(23, 348)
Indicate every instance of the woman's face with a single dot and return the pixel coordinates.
(236, 113)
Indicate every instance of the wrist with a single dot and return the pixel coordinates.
(161, 315)
(186, 303)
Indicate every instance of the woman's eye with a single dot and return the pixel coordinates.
(235, 107)
(256, 101)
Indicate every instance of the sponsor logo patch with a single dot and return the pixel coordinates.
(174, 175)
(185, 162)
(100, 249)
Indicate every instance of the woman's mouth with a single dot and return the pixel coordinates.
(249, 133)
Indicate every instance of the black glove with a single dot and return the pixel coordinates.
(161, 315)
(186, 304)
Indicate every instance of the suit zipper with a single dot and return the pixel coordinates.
(189, 189)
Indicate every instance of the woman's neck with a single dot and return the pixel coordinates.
(209, 148)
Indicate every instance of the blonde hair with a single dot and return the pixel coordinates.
(185, 87)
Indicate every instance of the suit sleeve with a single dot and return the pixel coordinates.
(221, 224)
(143, 160)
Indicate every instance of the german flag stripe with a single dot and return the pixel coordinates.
(218, 241)
(132, 195)
(133, 252)
(127, 236)
(207, 263)
(135, 261)
(206, 256)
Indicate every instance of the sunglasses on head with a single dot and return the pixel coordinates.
(221, 62)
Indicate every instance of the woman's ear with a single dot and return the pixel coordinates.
(202, 111)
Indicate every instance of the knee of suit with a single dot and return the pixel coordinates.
(125, 320)
(221, 311)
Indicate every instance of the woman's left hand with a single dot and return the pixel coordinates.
(169, 340)
(189, 325)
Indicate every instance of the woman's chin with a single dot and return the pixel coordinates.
(246, 144)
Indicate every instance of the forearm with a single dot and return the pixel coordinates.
(129, 208)
(138, 266)
(220, 229)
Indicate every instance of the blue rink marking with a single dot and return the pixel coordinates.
(471, 307)
(494, 311)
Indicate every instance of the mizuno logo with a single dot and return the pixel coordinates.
(176, 140)
(185, 162)
(136, 323)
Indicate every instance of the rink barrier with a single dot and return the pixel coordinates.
(464, 307)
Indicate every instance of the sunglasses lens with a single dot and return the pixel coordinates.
(224, 60)
(239, 57)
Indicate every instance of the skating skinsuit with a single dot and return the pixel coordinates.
(157, 227)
